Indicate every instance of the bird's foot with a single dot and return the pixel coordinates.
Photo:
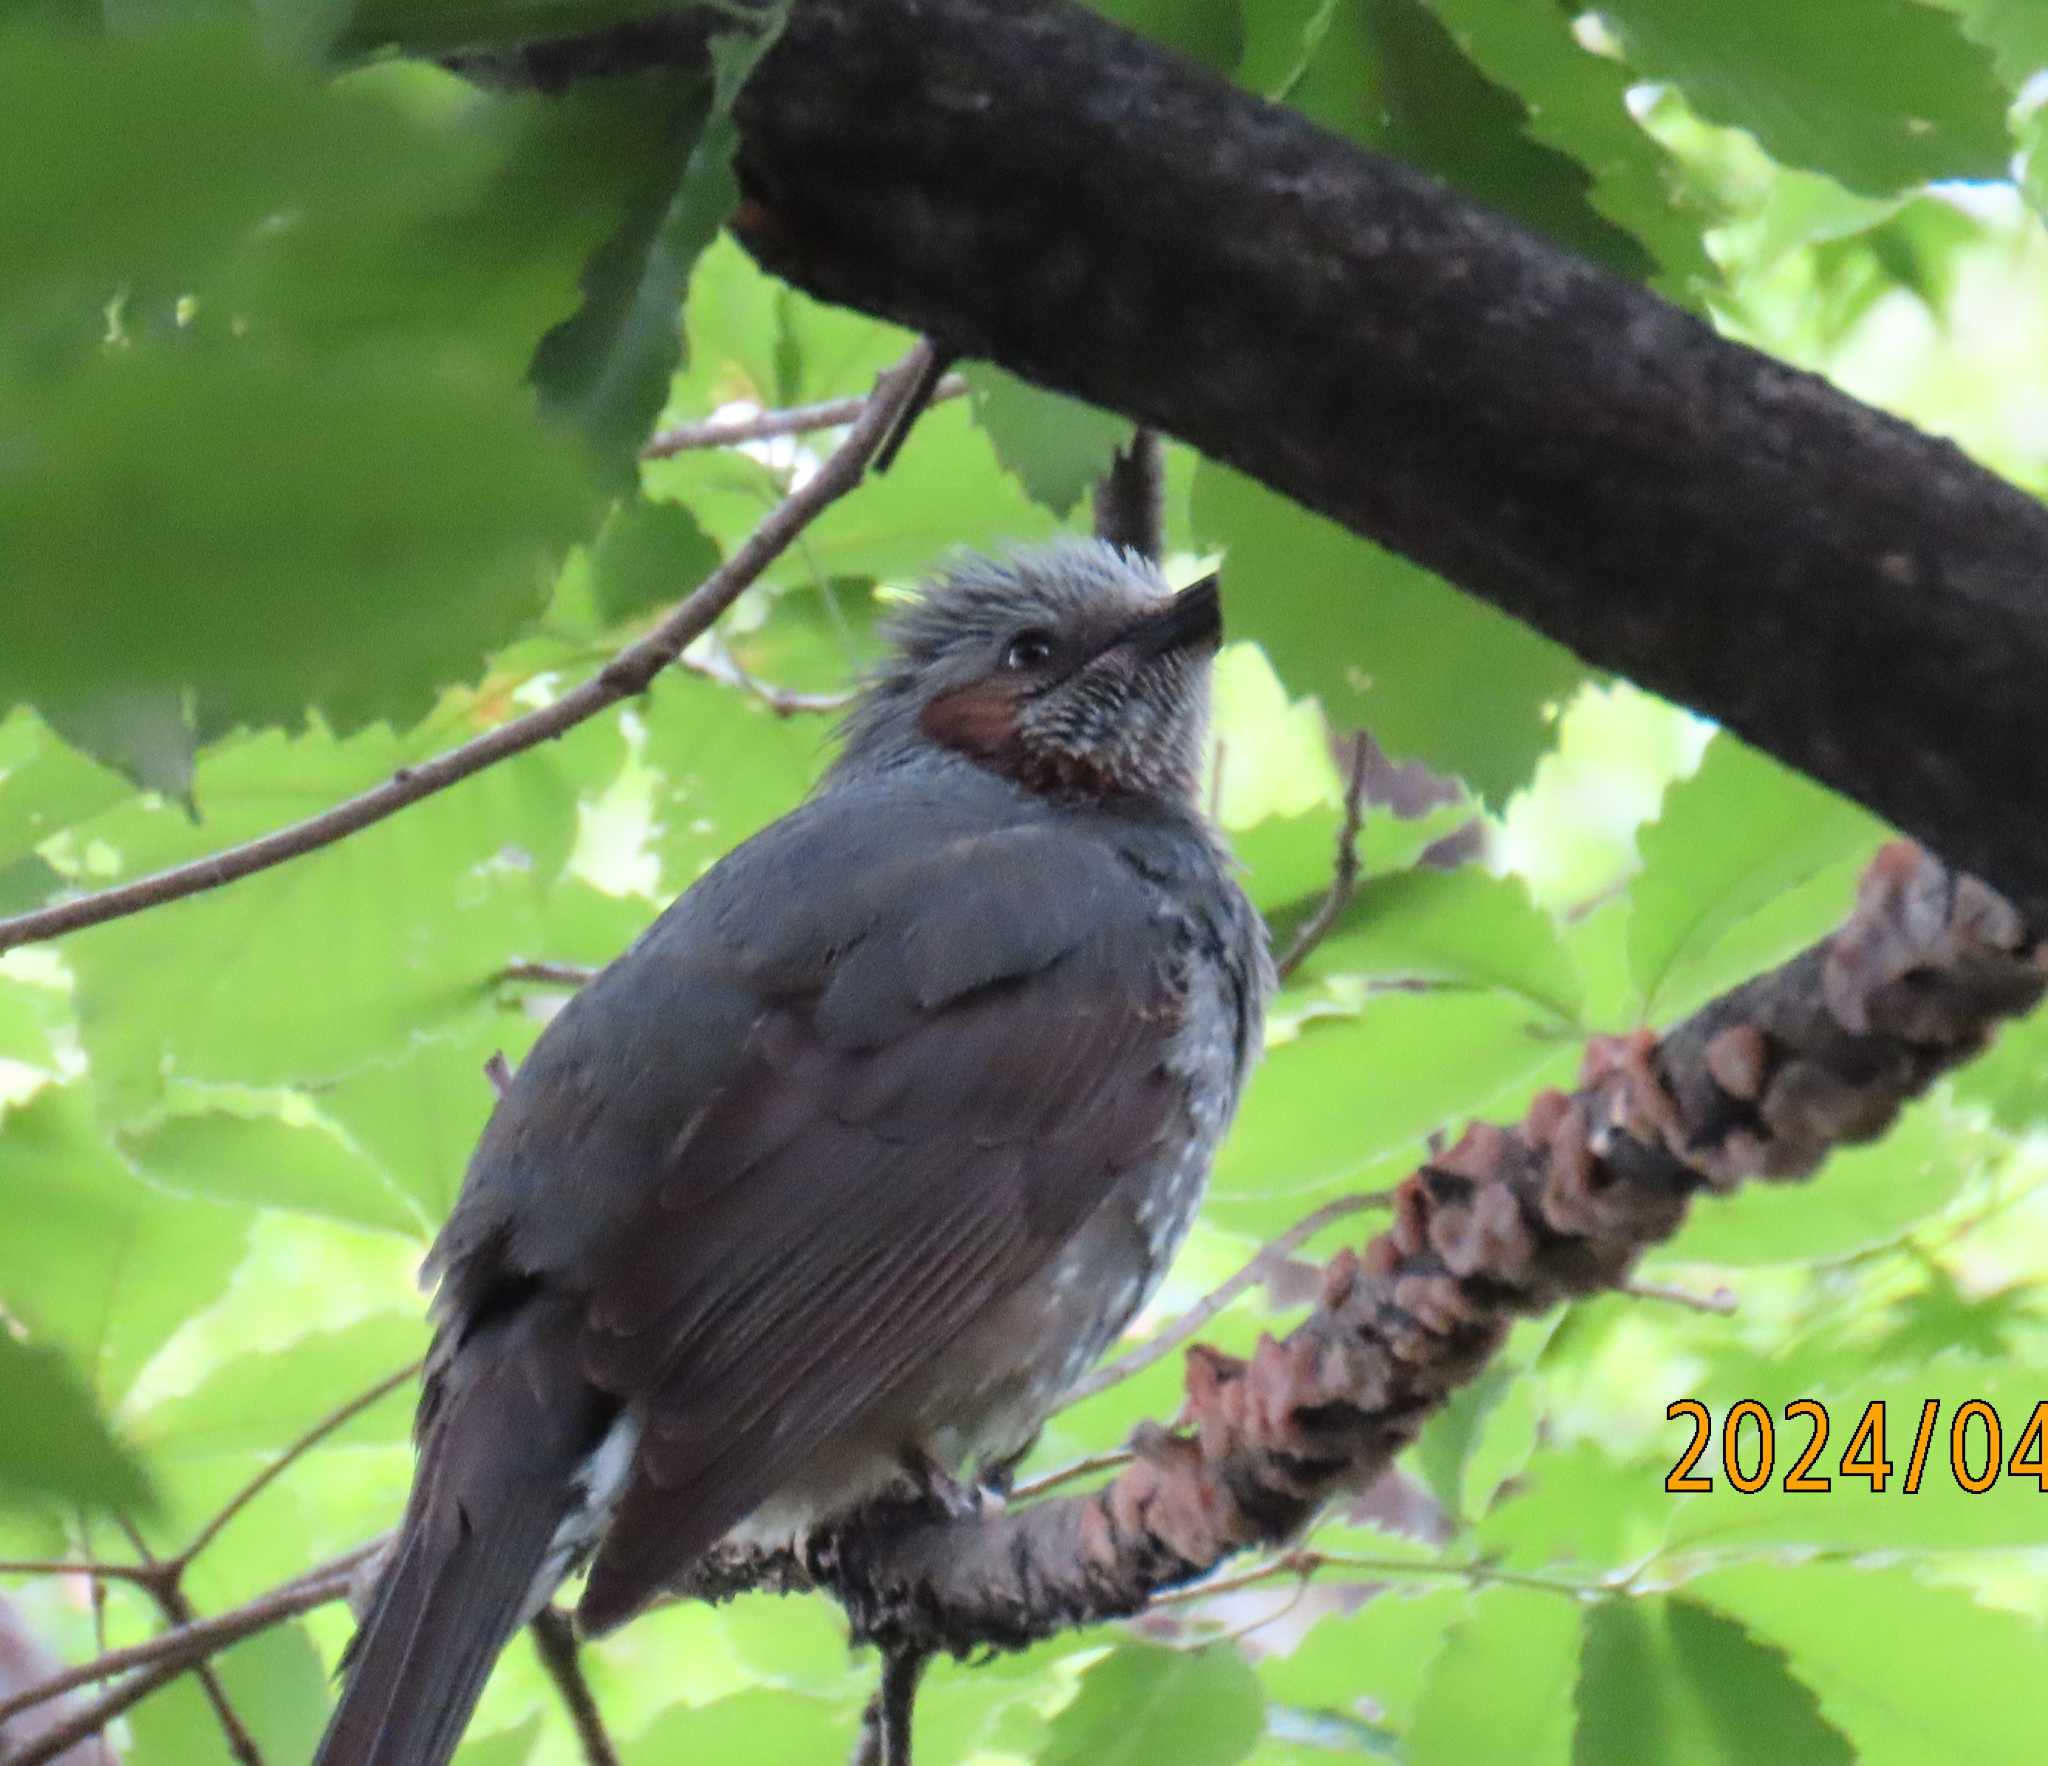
(953, 1498)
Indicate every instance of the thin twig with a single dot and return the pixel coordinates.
(1130, 498)
(628, 673)
(1721, 1302)
(546, 974)
(922, 387)
(1080, 1468)
(169, 1654)
(1198, 1315)
(554, 1640)
(177, 1610)
(303, 1444)
(1344, 881)
(720, 665)
(885, 1724)
(498, 1071)
(1310, 1563)
(727, 432)
(142, 1574)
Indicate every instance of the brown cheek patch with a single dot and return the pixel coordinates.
(980, 719)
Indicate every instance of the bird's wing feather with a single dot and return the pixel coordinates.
(928, 1102)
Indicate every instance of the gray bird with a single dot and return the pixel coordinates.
(858, 1158)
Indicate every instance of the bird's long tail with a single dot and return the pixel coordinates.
(505, 1429)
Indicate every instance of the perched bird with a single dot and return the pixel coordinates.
(858, 1158)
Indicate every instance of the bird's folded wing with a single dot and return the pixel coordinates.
(929, 1102)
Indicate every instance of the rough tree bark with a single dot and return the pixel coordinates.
(1028, 183)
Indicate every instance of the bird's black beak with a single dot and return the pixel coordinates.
(1194, 616)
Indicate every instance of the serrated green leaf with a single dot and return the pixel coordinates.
(1668, 1679)
(342, 956)
(1388, 75)
(1458, 929)
(56, 1445)
(648, 555)
(1141, 1704)
(1748, 864)
(1505, 1670)
(1431, 672)
(1058, 447)
(1347, 1091)
(1883, 95)
(1859, 1639)
(1577, 102)
(94, 1258)
(269, 1160)
(1208, 31)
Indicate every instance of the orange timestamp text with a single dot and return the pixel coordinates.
(1792, 1447)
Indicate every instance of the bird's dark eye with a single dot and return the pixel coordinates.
(1028, 649)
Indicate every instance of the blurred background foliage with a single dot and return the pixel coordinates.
(320, 395)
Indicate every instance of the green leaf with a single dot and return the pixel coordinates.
(1142, 1704)
(1347, 1091)
(344, 955)
(273, 1680)
(2011, 1079)
(56, 1445)
(648, 555)
(1879, 95)
(1459, 929)
(1668, 1679)
(1505, 1670)
(1388, 75)
(1748, 864)
(778, 1725)
(170, 530)
(93, 1257)
(261, 1152)
(1431, 672)
(608, 368)
(1577, 102)
(1860, 1639)
(1058, 447)
(1208, 31)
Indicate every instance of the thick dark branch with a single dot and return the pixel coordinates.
(1762, 1082)
(1037, 187)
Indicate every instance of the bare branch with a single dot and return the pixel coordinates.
(727, 432)
(146, 1666)
(142, 1574)
(554, 1640)
(1344, 878)
(1722, 1301)
(722, 666)
(628, 673)
(1067, 1474)
(177, 1610)
(1197, 1316)
(546, 974)
(305, 1443)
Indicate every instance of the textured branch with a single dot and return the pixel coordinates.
(1035, 186)
(1507, 1222)
(146, 1666)
(628, 673)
